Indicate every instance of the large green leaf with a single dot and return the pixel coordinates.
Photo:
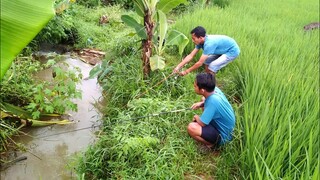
(163, 28)
(152, 7)
(167, 5)
(21, 21)
(140, 29)
(177, 38)
(156, 62)
(140, 7)
(17, 111)
(21, 113)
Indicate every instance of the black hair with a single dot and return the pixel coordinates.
(199, 31)
(206, 81)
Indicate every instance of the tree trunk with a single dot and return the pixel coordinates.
(147, 45)
(146, 58)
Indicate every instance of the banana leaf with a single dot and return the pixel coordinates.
(177, 38)
(167, 5)
(140, 29)
(157, 62)
(36, 123)
(10, 111)
(20, 22)
(30, 122)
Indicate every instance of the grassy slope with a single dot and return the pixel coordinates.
(276, 77)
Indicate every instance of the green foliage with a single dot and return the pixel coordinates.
(126, 4)
(60, 29)
(21, 88)
(145, 148)
(21, 20)
(6, 131)
(157, 62)
(140, 29)
(16, 86)
(176, 38)
(100, 70)
(152, 147)
(153, 23)
(183, 8)
(57, 98)
(123, 67)
(221, 3)
(276, 103)
(89, 3)
(93, 35)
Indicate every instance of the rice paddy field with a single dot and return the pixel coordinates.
(277, 80)
(273, 85)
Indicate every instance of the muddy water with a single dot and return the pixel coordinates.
(50, 148)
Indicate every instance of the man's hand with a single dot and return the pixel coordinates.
(176, 70)
(197, 105)
(196, 118)
(183, 73)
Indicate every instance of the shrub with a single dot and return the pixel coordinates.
(21, 87)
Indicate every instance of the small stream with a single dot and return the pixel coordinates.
(49, 148)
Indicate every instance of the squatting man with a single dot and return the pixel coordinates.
(218, 51)
(215, 125)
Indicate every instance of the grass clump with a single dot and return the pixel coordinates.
(149, 147)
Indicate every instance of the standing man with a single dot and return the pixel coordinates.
(215, 125)
(218, 51)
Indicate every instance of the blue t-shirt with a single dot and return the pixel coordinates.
(219, 113)
(219, 44)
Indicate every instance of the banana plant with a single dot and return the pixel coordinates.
(21, 21)
(153, 23)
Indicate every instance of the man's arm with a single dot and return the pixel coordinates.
(196, 65)
(186, 60)
(197, 105)
(196, 119)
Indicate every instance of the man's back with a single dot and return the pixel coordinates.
(220, 44)
(219, 113)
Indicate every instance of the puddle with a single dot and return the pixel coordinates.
(49, 148)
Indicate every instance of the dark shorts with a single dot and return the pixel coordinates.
(211, 134)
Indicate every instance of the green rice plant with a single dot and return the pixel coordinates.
(277, 79)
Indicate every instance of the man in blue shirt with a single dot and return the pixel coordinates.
(218, 51)
(215, 125)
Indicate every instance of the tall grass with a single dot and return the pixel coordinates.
(277, 78)
(154, 147)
